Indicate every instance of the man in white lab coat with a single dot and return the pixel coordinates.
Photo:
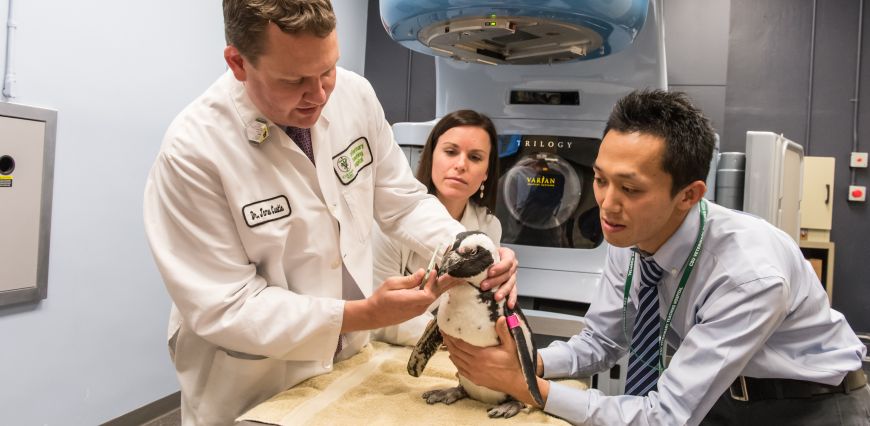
(259, 209)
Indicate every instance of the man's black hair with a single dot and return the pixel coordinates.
(689, 138)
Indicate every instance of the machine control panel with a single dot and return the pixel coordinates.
(544, 97)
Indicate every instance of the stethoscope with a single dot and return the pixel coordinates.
(689, 266)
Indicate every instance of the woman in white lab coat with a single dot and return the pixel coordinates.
(459, 166)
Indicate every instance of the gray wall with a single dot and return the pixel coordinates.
(352, 28)
(95, 348)
(769, 89)
(696, 47)
(404, 80)
(117, 72)
(746, 63)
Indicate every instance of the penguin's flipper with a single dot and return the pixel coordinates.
(528, 355)
(429, 342)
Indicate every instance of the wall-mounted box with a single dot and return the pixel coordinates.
(858, 160)
(27, 137)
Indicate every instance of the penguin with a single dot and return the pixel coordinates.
(470, 314)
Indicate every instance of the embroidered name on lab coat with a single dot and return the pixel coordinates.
(260, 212)
(348, 163)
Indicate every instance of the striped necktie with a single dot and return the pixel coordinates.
(642, 372)
(302, 138)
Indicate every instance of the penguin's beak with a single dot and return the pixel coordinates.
(451, 259)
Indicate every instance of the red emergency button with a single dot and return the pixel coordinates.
(856, 193)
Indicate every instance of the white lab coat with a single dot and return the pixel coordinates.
(250, 239)
(393, 258)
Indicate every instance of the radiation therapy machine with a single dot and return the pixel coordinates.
(548, 73)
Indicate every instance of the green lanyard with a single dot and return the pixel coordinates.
(690, 264)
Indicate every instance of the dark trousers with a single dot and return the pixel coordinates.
(831, 409)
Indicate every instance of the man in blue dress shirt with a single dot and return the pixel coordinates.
(756, 339)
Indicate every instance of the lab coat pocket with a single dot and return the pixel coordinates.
(359, 197)
(237, 383)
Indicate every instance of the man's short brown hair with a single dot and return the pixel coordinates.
(245, 21)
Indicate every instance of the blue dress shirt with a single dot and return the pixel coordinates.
(753, 307)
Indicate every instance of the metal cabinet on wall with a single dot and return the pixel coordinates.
(817, 202)
(26, 187)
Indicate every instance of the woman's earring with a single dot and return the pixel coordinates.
(481, 191)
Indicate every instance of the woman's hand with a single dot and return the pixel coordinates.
(504, 276)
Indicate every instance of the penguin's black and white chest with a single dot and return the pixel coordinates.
(470, 315)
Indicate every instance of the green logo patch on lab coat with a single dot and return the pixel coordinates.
(348, 163)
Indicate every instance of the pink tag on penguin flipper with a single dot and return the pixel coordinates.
(513, 321)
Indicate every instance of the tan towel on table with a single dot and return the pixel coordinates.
(374, 387)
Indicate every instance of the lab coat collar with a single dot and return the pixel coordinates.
(253, 120)
(258, 128)
(672, 255)
(469, 217)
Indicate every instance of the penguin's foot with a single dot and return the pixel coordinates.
(447, 396)
(507, 409)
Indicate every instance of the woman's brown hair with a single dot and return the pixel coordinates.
(463, 117)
